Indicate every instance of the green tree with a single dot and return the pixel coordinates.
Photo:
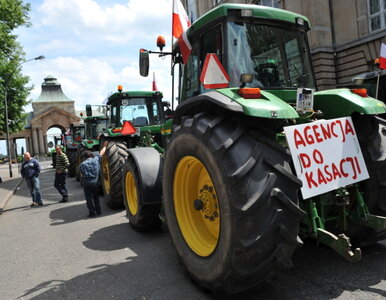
(13, 14)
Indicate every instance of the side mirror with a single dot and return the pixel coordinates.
(88, 110)
(143, 62)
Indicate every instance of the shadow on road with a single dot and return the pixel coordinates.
(68, 212)
(155, 273)
(10, 184)
(152, 273)
(120, 236)
(319, 273)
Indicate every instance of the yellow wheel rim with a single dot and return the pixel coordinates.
(196, 206)
(105, 174)
(131, 193)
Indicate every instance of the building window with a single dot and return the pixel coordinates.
(271, 3)
(377, 14)
(216, 2)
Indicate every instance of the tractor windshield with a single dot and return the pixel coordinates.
(276, 56)
(78, 133)
(140, 111)
(98, 126)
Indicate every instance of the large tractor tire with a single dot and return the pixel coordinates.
(142, 190)
(371, 131)
(111, 169)
(72, 158)
(79, 159)
(231, 203)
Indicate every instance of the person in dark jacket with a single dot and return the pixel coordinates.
(62, 164)
(30, 170)
(90, 169)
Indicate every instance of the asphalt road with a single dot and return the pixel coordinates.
(56, 252)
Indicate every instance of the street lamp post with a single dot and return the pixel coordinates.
(6, 110)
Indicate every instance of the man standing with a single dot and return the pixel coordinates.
(61, 166)
(30, 170)
(89, 169)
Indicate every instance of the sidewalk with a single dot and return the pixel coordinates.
(10, 185)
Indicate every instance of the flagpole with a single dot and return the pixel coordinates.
(376, 91)
(171, 60)
(381, 65)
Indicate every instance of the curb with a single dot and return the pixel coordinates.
(4, 200)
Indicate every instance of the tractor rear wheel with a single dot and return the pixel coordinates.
(53, 156)
(371, 131)
(142, 216)
(72, 157)
(111, 169)
(231, 203)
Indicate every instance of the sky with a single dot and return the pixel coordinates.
(92, 46)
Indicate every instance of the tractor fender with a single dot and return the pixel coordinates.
(149, 166)
(342, 102)
(210, 100)
(267, 105)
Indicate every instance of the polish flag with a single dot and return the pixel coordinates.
(180, 25)
(154, 88)
(382, 58)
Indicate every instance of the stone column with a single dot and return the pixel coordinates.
(30, 147)
(45, 143)
(42, 147)
(27, 145)
(35, 144)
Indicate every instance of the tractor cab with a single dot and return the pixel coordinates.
(95, 125)
(139, 108)
(273, 53)
(77, 133)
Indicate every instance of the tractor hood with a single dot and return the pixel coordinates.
(267, 105)
(343, 102)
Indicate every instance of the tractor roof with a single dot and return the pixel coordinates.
(258, 11)
(134, 94)
(99, 117)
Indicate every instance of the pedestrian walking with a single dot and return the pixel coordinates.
(61, 164)
(30, 170)
(90, 169)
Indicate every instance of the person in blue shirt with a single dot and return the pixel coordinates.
(30, 170)
(90, 169)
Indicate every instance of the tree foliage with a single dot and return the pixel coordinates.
(13, 14)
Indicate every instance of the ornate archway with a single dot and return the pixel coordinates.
(51, 109)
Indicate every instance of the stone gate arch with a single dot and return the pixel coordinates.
(51, 109)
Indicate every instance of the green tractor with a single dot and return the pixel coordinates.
(58, 141)
(235, 202)
(136, 120)
(73, 142)
(96, 122)
(369, 81)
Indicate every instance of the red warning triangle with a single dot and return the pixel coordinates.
(128, 128)
(213, 75)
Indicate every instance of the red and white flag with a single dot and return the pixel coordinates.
(180, 25)
(382, 58)
(154, 87)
